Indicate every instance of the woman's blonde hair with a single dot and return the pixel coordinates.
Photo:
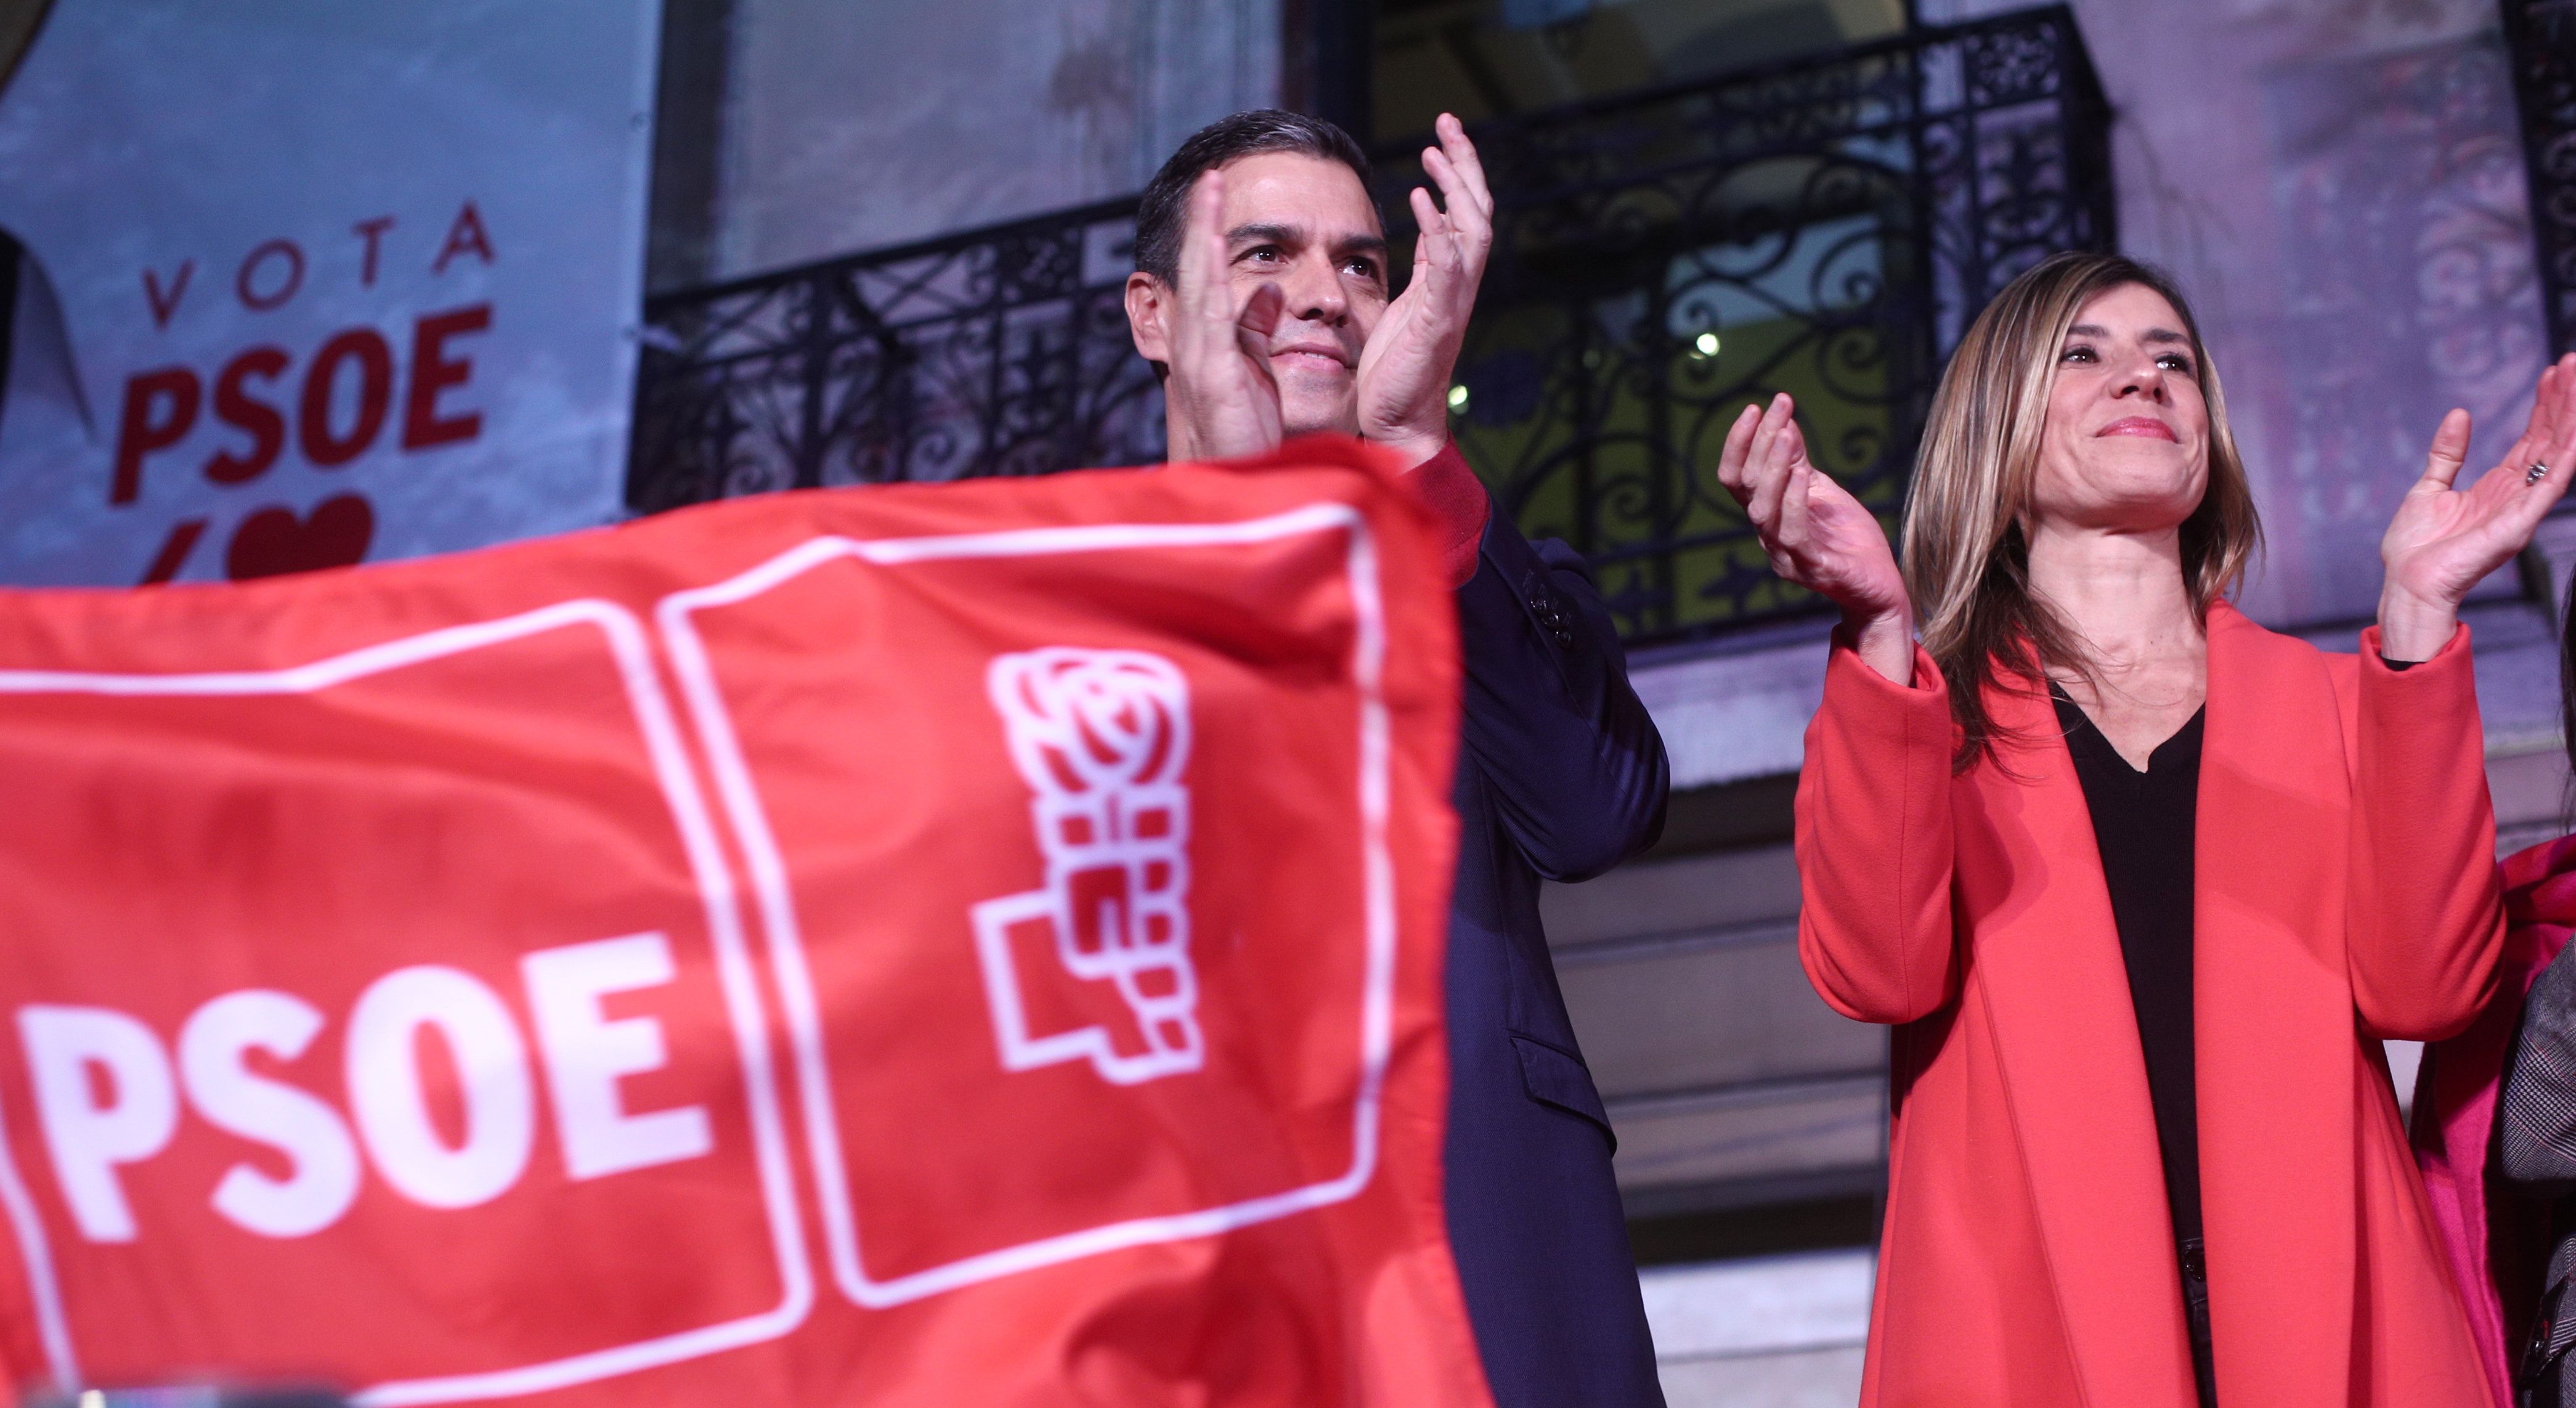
(1967, 561)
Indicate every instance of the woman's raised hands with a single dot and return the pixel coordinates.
(2444, 541)
(1817, 535)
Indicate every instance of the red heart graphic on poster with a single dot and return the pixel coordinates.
(274, 541)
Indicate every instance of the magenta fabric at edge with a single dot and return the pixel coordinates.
(2496, 1243)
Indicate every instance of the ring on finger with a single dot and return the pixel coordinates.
(2536, 473)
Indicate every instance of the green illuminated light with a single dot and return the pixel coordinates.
(1458, 398)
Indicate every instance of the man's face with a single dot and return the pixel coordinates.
(1306, 224)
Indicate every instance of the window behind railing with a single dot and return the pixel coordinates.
(1824, 228)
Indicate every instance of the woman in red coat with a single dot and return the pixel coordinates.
(2140, 884)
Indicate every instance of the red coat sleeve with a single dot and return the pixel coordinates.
(1459, 506)
(2426, 917)
(1874, 842)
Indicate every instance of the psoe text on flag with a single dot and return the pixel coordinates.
(959, 944)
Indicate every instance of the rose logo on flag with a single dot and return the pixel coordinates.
(1101, 737)
(708, 865)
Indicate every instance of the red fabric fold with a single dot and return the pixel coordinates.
(2497, 1242)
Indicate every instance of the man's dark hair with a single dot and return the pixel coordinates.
(1165, 210)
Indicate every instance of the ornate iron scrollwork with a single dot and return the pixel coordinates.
(1825, 227)
(1001, 351)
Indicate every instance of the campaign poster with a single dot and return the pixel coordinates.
(296, 284)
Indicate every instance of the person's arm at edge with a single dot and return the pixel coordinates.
(2536, 1137)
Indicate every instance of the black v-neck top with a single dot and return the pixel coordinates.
(2144, 823)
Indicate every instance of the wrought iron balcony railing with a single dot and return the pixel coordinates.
(1826, 228)
(997, 351)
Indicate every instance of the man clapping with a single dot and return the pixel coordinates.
(1261, 295)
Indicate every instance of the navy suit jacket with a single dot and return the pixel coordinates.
(1561, 776)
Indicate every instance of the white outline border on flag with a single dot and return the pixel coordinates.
(735, 789)
(632, 653)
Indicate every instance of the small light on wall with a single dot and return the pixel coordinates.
(1458, 398)
(1706, 344)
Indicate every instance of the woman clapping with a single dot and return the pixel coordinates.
(2140, 883)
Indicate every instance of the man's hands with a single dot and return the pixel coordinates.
(1223, 400)
(1404, 370)
(1818, 535)
(2441, 543)
(1223, 395)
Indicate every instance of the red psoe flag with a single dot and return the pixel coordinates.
(963, 945)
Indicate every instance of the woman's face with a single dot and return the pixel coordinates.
(2126, 444)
